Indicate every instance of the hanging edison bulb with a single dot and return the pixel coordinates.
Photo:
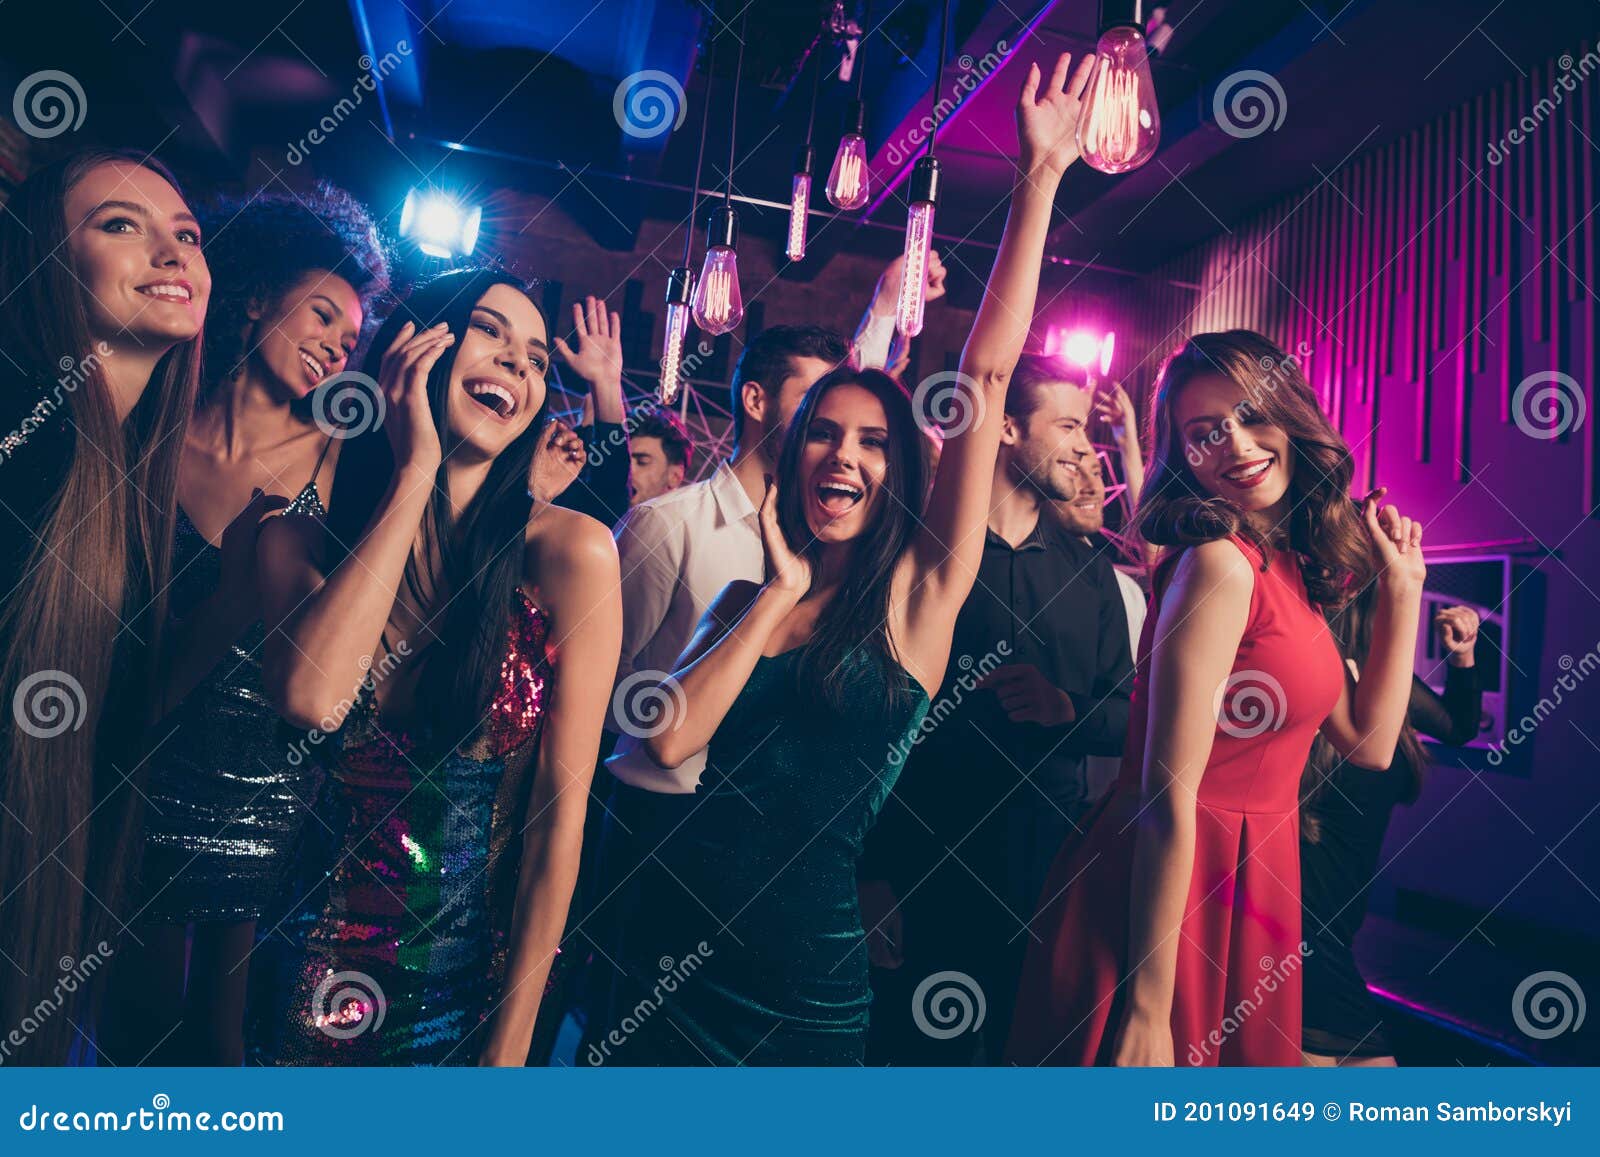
(678, 282)
(1120, 125)
(924, 194)
(718, 303)
(847, 180)
(800, 203)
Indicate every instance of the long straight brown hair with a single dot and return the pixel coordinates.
(90, 604)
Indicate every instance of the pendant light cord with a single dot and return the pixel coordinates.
(700, 155)
(733, 114)
(938, 85)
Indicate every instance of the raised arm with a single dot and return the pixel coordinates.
(1202, 619)
(574, 563)
(949, 547)
(1365, 724)
(320, 627)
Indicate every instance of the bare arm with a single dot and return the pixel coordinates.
(733, 633)
(1202, 619)
(575, 562)
(1365, 724)
(320, 627)
(949, 547)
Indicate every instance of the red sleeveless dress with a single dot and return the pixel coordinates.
(1236, 1000)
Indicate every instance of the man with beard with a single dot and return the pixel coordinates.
(995, 780)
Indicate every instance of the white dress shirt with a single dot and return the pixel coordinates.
(1102, 770)
(677, 552)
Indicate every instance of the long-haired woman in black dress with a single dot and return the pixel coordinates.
(295, 274)
(104, 291)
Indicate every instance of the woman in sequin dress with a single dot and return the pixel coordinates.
(745, 943)
(462, 648)
(228, 793)
(105, 289)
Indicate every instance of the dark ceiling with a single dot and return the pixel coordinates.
(479, 93)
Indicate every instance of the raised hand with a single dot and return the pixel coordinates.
(597, 358)
(1397, 541)
(1047, 119)
(786, 571)
(1458, 633)
(1115, 408)
(403, 378)
(887, 294)
(557, 461)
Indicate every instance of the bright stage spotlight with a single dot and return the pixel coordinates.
(440, 225)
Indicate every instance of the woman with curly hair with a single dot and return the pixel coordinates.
(1171, 928)
(228, 796)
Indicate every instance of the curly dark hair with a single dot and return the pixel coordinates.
(260, 246)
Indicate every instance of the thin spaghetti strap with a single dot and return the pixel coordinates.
(321, 458)
(309, 500)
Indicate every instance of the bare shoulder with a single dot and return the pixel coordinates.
(565, 543)
(1219, 566)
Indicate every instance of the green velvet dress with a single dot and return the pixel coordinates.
(745, 945)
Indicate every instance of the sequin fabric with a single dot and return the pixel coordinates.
(407, 954)
(230, 784)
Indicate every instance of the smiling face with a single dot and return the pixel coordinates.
(1044, 449)
(497, 383)
(843, 462)
(1086, 513)
(1232, 450)
(135, 247)
(308, 334)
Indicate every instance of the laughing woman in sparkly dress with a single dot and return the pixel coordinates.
(461, 647)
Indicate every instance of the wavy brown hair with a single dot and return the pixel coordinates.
(1322, 526)
(91, 603)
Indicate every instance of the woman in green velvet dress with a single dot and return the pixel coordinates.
(745, 945)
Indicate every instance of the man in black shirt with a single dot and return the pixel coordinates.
(994, 780)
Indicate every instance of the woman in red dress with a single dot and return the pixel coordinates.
(1171, 929)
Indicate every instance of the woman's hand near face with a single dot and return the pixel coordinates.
(403, 378)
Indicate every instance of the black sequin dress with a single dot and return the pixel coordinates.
(229, 787)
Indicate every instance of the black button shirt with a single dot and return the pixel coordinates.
(1052, 602)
